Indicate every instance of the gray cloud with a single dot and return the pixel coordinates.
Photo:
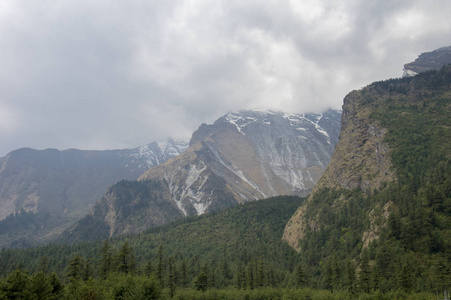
(114, 74)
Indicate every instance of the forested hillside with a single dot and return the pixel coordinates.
(390, 227)
(240, 247)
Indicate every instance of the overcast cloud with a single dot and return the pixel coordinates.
(118, 74)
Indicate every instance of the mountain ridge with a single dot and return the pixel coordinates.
(243, 156)
(384, 206)
(60, 186)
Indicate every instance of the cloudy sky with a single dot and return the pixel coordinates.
(100, 74)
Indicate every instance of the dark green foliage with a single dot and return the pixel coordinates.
(201, 282)
(246, 237)
(20, 285)
(106, 260)
(414, 231)
(365, 272)
(126, 259)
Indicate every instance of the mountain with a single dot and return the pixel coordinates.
(427, 61)
(243, 156)
(42, 192)
(384, 202)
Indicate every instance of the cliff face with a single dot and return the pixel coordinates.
(361, 160)
(392, 134)
(52, 189)
(243, 156)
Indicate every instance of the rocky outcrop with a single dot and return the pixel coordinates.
(361, 160)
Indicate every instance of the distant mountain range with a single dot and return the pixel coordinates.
(243, 156)
(48, 190)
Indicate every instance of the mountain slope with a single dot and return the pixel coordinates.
(428, 61)
(243, 156)
(50, 189)
(386, 194)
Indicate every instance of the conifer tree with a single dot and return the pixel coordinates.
(123, 258)
(40, 286)
(160, 264)
(241, 276)
(365, 272)
(201, 282)
(328, 275)
(300, 276)
(172, 278)
(183, 274)
(106, 259)
(349, 277)
(336, 274)
(148, 268)
(250, 276)
(404, 276)
(75, 268)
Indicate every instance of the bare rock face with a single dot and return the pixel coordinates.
(52, 189)
(256, 154)
(243, 156)
(427, 61)
(361, 160)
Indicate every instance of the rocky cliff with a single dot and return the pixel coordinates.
(393, 134)
(51, 189)
(243, 156)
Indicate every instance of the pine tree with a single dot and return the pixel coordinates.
(349, 278)
(160, 264)
(365, 272)
(44, 264)
(404, 276)
(240, 276)
(87, 271)
(328, 276)
(271, 277)
(201, 282)
(183, 274)
(106, 259)
(336, 274)
(40, 286)
(75, 268)
(57, 286)
(300, 276)
(148, 268)
(123, 258)
(172, 279)
(250, 276)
